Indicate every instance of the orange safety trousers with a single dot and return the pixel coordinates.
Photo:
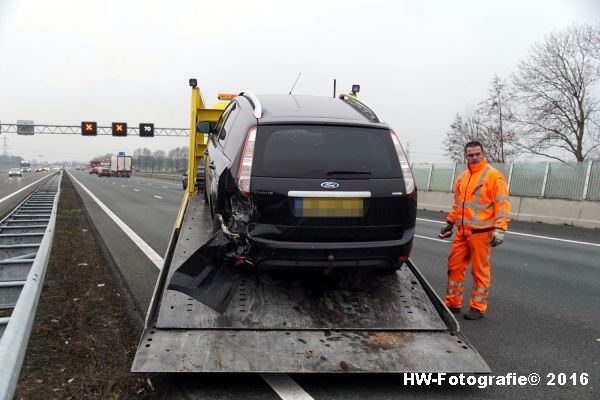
(473, 248)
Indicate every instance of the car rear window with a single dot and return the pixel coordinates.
(317, 151)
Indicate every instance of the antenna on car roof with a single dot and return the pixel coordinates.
(334, 85)
(295, 83)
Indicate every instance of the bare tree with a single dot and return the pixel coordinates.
(9, 160)
(455, 140)
(463, 130)
(182, 157)
(103, 157)
(147, 157)
(555, 87)
(172, 157)
(498, 117)
(137, 159)
(159, 157)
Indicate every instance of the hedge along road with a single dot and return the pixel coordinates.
(544, 289)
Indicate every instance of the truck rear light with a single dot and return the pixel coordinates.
(409, 180)
(245, 169)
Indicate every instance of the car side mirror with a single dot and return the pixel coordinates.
(205, 127)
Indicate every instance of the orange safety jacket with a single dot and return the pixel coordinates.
(480, 199)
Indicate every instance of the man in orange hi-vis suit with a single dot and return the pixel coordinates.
(480, 211)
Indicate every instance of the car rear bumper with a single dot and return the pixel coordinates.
(372, 254)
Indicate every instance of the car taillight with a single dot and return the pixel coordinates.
(245, 169)
(409, 181)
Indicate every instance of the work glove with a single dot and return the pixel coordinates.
(497, 237)
(446, 231)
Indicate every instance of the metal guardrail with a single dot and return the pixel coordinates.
(25, 241)
(575, 181)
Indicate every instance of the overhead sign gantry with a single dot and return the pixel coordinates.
(91, 128)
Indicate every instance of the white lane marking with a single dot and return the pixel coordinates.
(122, 185)
(136, 190)
(114, 183)
(143, 246)
(164, 187)
(285, 387)
(557, 239)
(20, 190)
(158, 197)
(435, 239)
(528, 234)
(431, 220)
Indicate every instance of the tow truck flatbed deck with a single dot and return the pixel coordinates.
(299, 321)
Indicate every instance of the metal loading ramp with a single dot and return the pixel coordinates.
(302, 322)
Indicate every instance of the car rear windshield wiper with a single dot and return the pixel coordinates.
(348, 172)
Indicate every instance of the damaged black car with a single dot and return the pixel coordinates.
(307, 181)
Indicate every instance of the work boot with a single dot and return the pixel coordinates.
(454, 310)
(473, 314)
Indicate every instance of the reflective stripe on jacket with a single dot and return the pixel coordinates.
(480, 198)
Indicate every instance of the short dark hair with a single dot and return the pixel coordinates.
(475, 143)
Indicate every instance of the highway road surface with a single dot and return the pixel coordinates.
(543, 318)
(9, 185)
(14, 189)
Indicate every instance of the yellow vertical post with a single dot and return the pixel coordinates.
(199, 112)
(197, 104)
(197, 144)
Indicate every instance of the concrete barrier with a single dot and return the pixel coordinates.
(585, 214)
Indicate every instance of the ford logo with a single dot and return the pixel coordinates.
(330, 185)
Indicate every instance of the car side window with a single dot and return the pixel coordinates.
(221, 122)
(222, 133)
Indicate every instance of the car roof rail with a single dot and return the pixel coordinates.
(255, 103)
(360, 107)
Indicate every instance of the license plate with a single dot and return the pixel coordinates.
(328, 207)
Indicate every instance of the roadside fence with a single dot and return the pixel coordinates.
(572, 180)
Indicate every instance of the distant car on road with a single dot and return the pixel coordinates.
(103, 171)
(199, 176)
(15, 172)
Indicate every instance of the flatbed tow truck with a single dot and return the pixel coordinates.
(286, 322)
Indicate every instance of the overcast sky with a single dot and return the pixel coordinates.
(418, 62)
